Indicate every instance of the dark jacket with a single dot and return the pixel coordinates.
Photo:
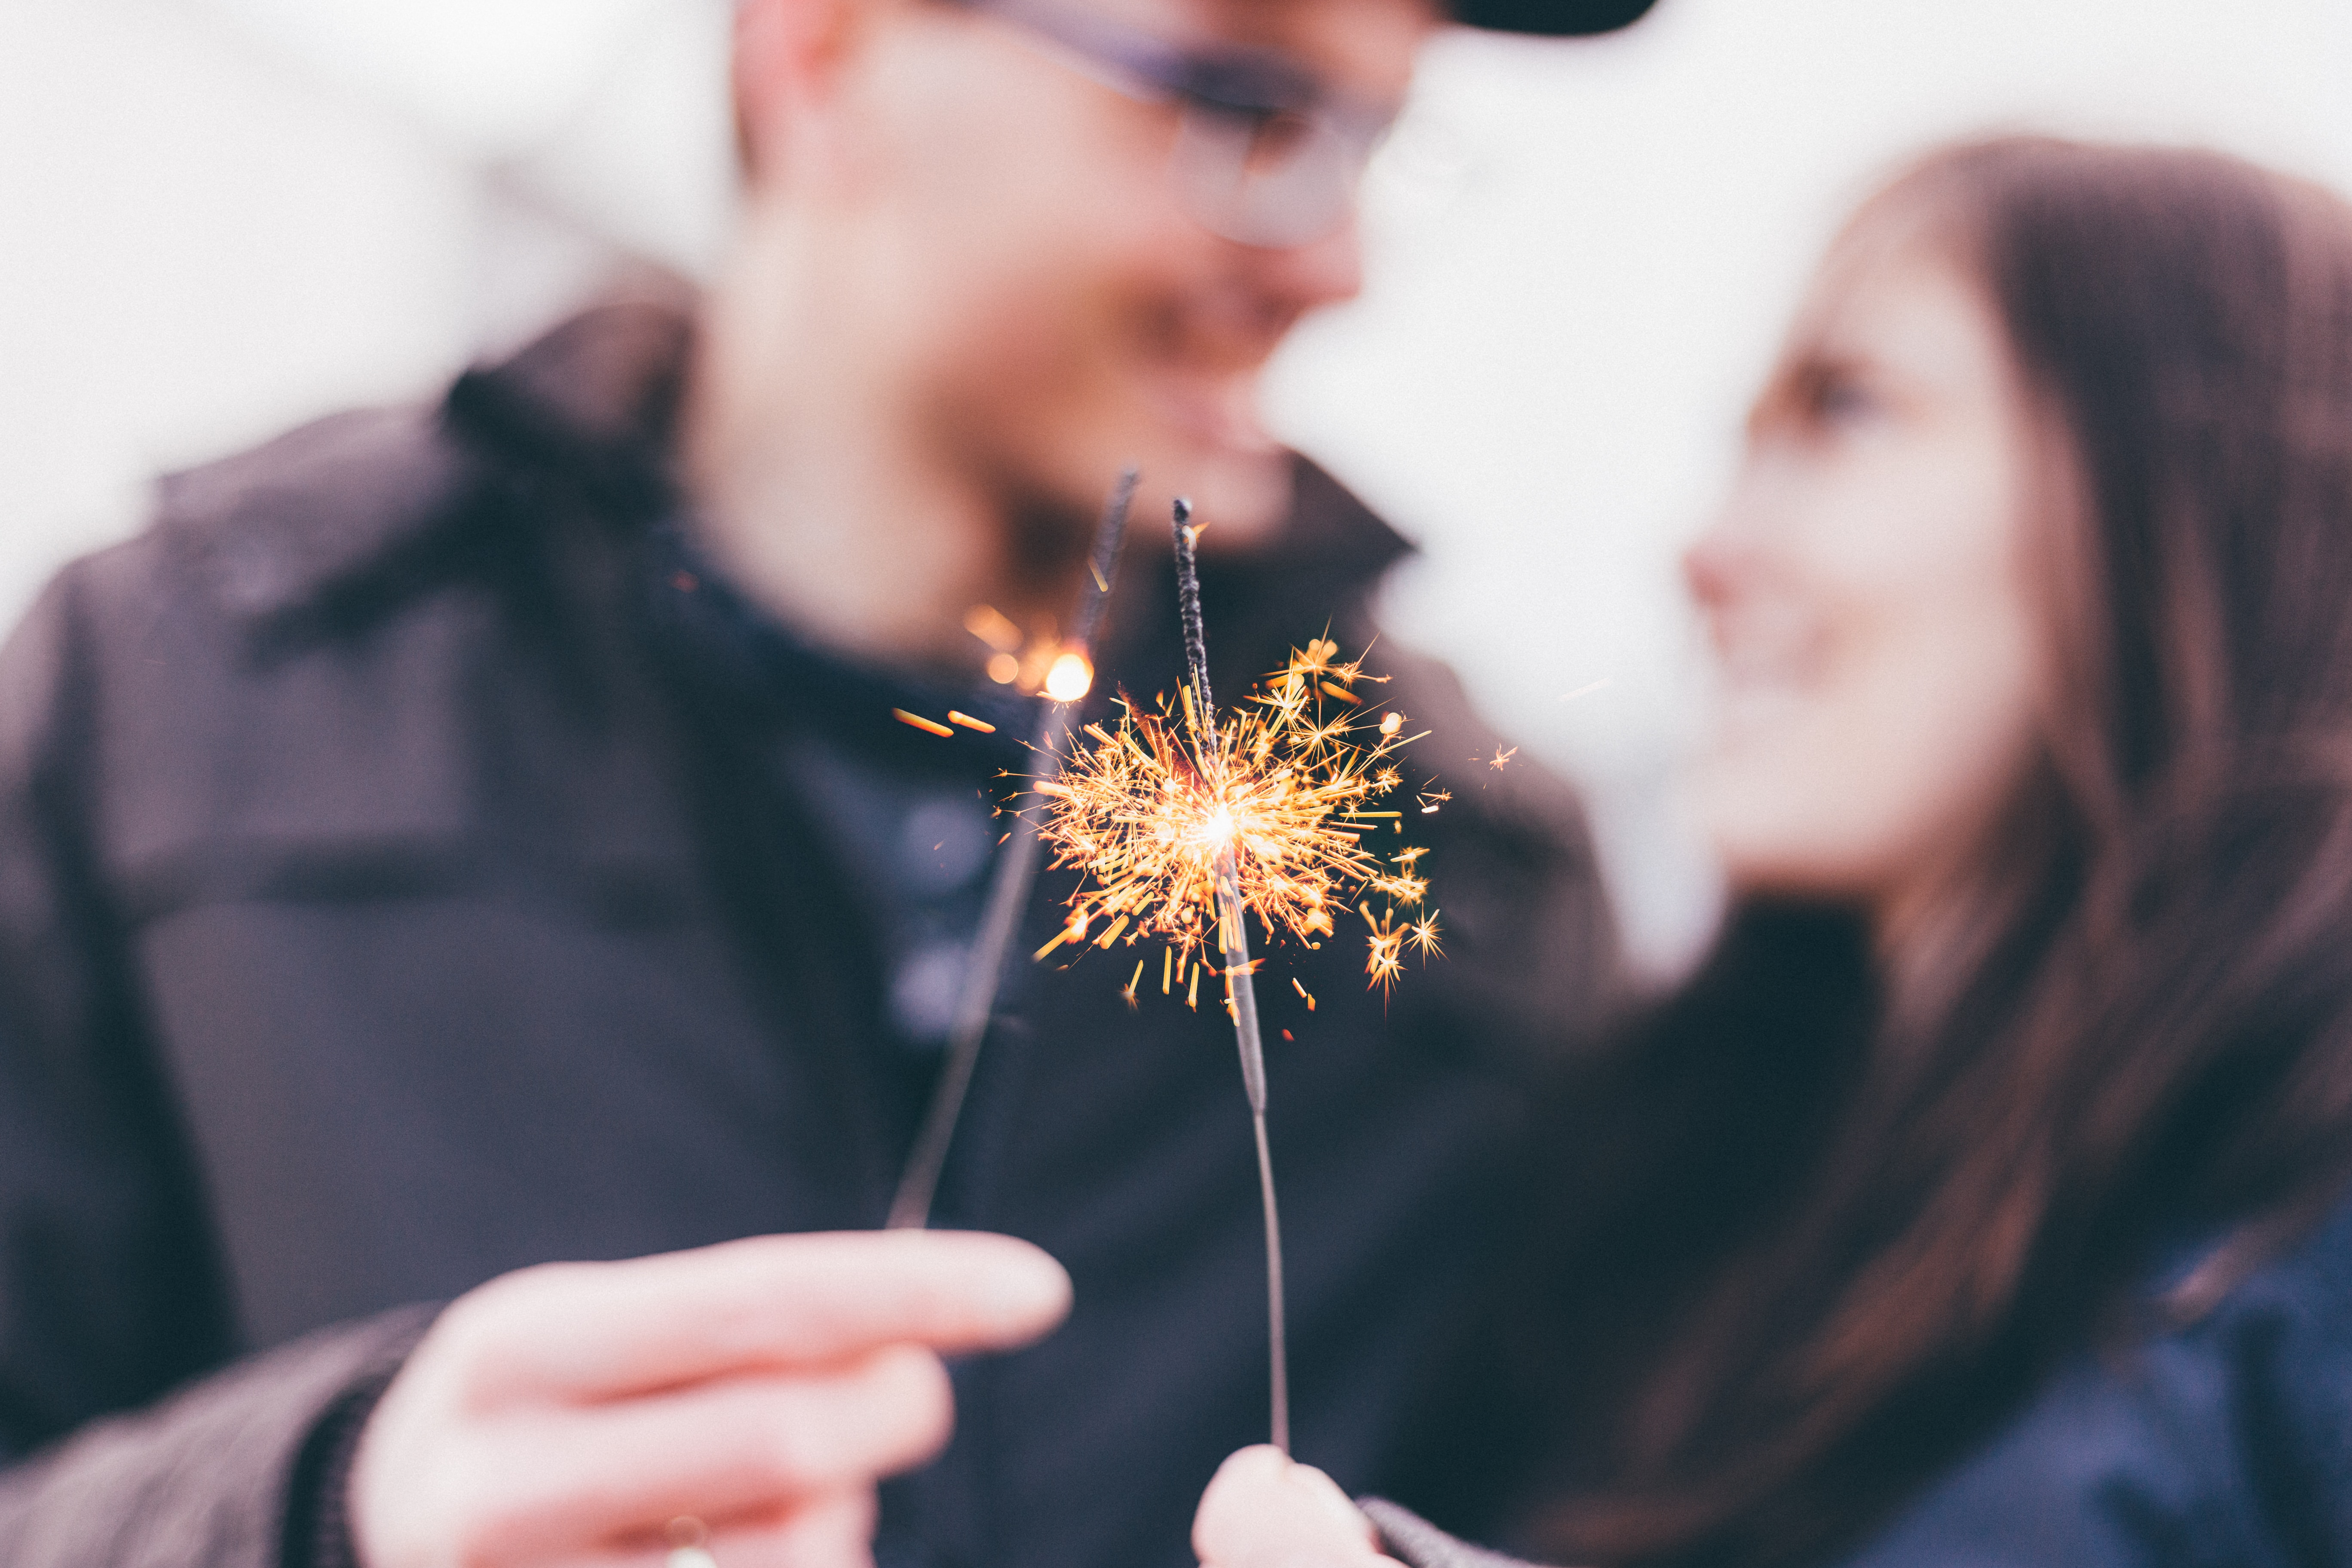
(405, 876)
(2224, 1444)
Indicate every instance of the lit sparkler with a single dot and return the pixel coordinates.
(1292, 783)
(1185, 827)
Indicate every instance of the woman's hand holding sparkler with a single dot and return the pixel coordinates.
(755, 1392)
(1264, 1511)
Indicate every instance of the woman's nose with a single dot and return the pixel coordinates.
(1711, 565)
(1728, 556)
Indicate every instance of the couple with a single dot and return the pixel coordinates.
(450, 843)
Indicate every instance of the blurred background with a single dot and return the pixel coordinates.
(221, 216)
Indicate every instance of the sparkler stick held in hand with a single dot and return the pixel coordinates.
(1016, 871)
(1232, 939)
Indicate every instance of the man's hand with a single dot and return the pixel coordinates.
(1264, 1511)
(566, 1415)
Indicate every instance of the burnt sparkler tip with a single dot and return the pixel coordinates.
(1188, 532)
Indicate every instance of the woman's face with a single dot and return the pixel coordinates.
(1866, 589)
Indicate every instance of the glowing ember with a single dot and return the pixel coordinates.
(1293, 794)
(1070, 677)
(928, 726)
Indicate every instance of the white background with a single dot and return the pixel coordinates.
(219, 216)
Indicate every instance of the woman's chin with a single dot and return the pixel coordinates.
(1772, 838)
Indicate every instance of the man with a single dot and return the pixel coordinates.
(454, 841)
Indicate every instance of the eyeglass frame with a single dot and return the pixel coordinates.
(1229, 95)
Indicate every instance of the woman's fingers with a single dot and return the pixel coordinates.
(1264, 1511)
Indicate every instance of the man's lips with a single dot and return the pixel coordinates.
(1219, 412)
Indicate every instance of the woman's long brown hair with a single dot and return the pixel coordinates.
(1843, 1239)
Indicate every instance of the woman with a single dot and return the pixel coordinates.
(1982, 1200)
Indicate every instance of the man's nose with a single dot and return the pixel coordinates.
(1325, 271)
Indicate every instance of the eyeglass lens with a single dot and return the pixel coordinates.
(1273, 181)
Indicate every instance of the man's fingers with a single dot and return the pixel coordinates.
(831, 1532)
(596, 1330)
(757, 1446)
(836, 1535)
(566, 1410)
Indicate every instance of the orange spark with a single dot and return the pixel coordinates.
(994, 627)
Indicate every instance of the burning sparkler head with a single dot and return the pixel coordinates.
(1286, 801)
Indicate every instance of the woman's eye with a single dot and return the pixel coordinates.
(1818, 402)
(1841, 399)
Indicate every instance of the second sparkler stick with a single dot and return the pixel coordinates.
(1008, 891)
(1232, 939)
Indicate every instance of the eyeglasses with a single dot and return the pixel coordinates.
(1267, 155)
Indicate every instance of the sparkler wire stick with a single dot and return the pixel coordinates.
(1233, 938)
(1008, 894)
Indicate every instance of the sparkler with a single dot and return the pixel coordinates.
(1185, 827)
(1290, 783)
(1233, 931)
(1071, 677)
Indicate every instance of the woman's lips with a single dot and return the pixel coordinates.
(1768, 664)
